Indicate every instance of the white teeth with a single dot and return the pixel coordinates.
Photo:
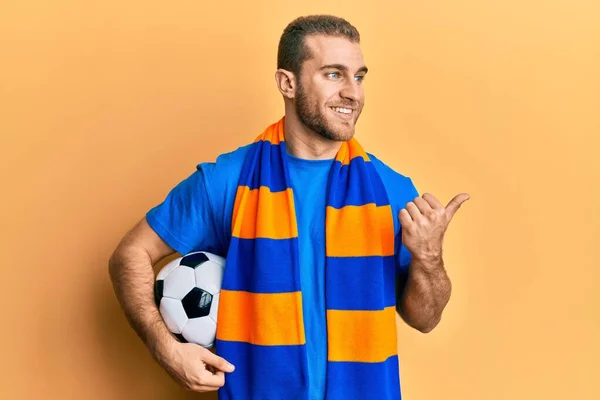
(342, 110)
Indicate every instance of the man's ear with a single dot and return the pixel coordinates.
(286, 83)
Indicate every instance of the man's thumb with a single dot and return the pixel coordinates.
(455, 204)
(218, 362)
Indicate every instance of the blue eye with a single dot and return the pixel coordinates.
(359, 78)
(335, 75)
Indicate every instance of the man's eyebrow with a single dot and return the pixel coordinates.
(343, 67)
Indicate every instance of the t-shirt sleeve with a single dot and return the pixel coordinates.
(185, 220)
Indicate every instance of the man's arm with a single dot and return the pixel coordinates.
(132, 275)
(422, 296)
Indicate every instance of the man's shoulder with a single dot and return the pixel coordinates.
(400, 187)
(233, 157)
(389, 175)
(226, 164)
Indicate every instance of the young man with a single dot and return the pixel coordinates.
(344, 240)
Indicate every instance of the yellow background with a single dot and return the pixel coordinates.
(105, 106)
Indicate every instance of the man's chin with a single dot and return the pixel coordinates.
(334, 130)
(340, 132)
(342, 136)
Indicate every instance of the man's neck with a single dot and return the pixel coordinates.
(304, 143)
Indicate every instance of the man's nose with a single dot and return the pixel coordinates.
(350, 91)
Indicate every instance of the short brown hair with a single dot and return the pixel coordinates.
(292, 50)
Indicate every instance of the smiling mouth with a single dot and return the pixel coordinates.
(343, 110)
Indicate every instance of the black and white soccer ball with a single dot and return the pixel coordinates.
(187, 294)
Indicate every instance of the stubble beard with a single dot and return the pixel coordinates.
(312, 117)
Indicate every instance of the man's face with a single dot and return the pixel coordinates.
(330, 95)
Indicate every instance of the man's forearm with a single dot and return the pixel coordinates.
(425, 294)
(133, 281)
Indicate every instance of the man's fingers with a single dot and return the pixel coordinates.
(405, 219)
(455, 204)
(210, 379)
(413, 210)
(218, 362)
(204, 389)
(423, 206)
(213, 380)
(433, 202)
(221, 374)
(209, 385)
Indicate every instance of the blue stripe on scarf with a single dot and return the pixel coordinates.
(354, 288)
(263, 254)
(347, 194)
(258, 368)
(361, 376)
(270, 177)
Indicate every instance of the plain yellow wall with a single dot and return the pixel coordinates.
(105, 106)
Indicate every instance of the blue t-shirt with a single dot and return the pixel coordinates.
(196, 216)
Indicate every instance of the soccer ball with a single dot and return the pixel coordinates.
(186, 292)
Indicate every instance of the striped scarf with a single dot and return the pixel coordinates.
(260, 320)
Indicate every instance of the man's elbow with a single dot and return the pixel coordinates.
(115, 261)
(423, 325)
(425, 328)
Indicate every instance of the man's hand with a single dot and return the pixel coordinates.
(424, 222)
(194, 367)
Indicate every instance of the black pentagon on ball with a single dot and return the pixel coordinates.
(158, 291)
(197, 303)
(194, 260)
